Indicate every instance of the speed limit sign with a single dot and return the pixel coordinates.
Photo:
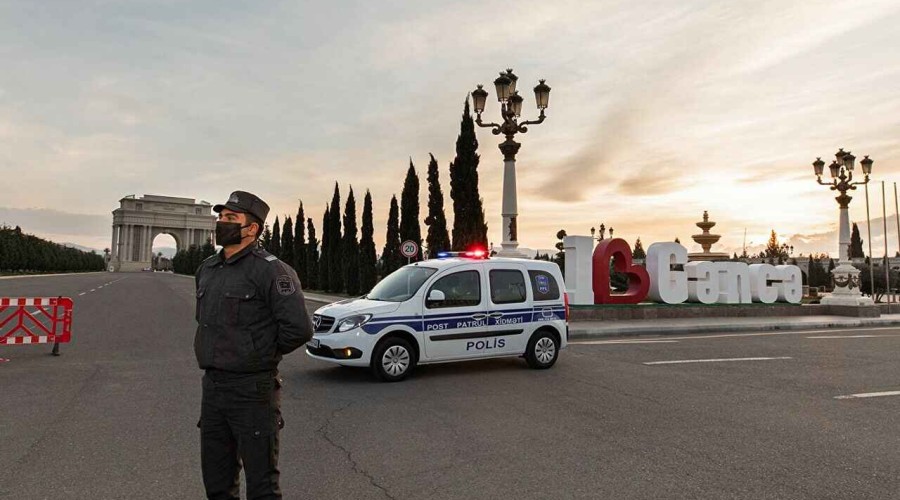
(409, 249)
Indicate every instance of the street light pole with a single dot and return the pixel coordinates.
(845, 277)
(510, 111)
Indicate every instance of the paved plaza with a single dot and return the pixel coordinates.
(766, 414)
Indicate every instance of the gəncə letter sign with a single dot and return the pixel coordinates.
(669, 278)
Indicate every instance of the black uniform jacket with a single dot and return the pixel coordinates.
(250, 311)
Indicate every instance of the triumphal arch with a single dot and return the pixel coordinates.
(138, 221)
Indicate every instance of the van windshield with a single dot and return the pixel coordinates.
(401, 284)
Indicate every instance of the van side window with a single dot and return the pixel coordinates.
(507, 286)
(543, 285)
(460, 290)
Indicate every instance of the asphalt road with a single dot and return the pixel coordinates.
(114, 417)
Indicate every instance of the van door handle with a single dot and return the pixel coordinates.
(495, 315)
(479, 316)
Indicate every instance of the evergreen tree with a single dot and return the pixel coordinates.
(409, 210)
(367, 259)
(469, 227)
(207, 250)
(639, 253)
(336, 281)
(775, 251)
(390, 256)
(300, 245)
(312, 257)
(287, 242)
(438, 239)
(324, 278)
(856, 244)
(276, 239)
(351, 247)
(266, 239)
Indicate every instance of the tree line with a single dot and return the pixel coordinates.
(187, 261)
(340, 256)
(25, 253)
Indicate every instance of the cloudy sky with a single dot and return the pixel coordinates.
(659, 110)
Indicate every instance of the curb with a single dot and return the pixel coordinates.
(629, 331)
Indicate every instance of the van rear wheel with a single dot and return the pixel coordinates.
(393, 360)
(542, 350)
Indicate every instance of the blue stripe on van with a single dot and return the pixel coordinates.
(440, 322)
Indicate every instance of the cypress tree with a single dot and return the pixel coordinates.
(266, 239)
(300, 245)
(207, 250)
(335, 281)
(390, 256)
(312, 257)
(856, 244)
(276, 239)
(409, 210)
(287, 242)
(367, 259)
(438, 239)
(324, 278)
(469, 227)
(350, 247)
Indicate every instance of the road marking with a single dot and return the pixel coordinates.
(93, 289)
(851, 336)
(719, 360)
(869, 395)
(82, 293)
(760, 334)
(606, 342)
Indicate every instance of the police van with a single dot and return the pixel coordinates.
(458, 307)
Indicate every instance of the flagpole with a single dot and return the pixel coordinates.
(887, 264)
(871, 262)
(897, 216)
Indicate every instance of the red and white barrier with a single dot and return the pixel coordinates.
(35, 320)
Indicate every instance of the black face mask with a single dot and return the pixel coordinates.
(229, 233)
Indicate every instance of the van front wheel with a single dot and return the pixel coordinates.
(542, 350)
(393, 360)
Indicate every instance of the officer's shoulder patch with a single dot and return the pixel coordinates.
(265, 255)
(285, 285)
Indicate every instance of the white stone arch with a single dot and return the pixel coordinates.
(138, 221)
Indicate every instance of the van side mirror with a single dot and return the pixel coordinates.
(436, 296)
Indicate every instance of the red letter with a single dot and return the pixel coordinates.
(618, 251)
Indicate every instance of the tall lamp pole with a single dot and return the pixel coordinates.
(845, 277)
(510, 111)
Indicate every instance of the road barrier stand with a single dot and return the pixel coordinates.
(36, 320)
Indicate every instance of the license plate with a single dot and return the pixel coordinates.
(314, 343)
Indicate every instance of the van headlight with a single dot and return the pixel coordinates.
(351, 322)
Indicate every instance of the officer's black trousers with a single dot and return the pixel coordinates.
(240, 418)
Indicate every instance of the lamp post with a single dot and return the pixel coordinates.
(510, 111)
(845, 277)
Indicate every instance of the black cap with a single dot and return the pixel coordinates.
(247, 203)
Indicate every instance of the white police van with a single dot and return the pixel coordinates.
(455, 308)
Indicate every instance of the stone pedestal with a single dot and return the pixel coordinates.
(846, 288)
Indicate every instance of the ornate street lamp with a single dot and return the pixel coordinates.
(845, 277)
(510, 111)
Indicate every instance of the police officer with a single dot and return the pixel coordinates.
(250, 312)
